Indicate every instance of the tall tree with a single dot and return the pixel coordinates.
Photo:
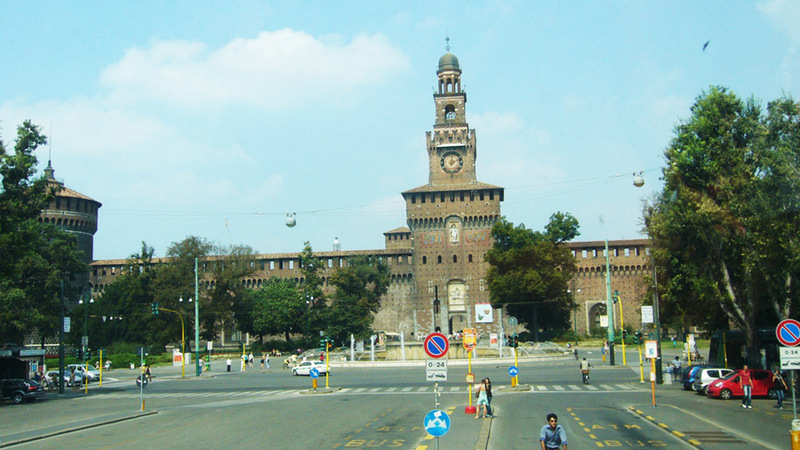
(311, 289)
(36, 257)
(529, 271)
(725, 227)
(359, 287)
(229, 301)
(279, 308)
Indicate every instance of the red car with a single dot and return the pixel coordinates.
(728, 386)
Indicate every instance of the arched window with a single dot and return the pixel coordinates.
(469, 258)
(439, 259)
(424, 260)
(455, 259)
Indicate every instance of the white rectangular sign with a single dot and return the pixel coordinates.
(790, 358)
(651, 349)
(483, 313)
(647, 314)
(604, 321)
(436, 370)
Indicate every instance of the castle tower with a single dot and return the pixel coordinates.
(74, 213)
(451, 217)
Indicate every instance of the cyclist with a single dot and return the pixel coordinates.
(585, 370)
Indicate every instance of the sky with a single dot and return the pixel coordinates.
(217, 119)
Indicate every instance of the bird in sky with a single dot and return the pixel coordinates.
(705, 45)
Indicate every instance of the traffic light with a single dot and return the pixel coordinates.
(624, 334)
(615, 296)
(322, 343)
(515, 341)
(638, 338)
(154, 308)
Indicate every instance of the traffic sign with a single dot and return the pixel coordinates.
(788, 332)
(651, 349)
(513, 371)
(790, 358)
(313, 373)
(436, 370)
(436, 423)
(436, 345)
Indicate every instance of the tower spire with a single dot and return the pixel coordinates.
(447, 45)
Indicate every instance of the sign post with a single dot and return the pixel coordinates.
(651, 352)
(788, 334)
(436, 345)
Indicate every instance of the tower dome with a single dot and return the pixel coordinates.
(449, 62)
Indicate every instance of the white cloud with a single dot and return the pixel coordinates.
(785, 14)
(275, 70)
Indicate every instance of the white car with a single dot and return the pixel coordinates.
(305, 367)
(80, 370)
(705, 376)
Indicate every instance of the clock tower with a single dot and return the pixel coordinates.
(451, 218)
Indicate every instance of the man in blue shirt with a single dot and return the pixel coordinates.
(552, 435)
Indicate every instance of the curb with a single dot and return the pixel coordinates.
(77, 428)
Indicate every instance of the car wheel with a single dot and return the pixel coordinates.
(294, 372)
(705, 390)
(17, 398)
(725, 394)
(772, 393)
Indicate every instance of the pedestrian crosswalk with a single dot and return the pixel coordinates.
(227, 394)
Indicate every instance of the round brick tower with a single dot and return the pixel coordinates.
(74, 213)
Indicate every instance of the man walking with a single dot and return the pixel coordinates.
(552, 436)
(746, 383)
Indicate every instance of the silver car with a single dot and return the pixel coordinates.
(705, 376)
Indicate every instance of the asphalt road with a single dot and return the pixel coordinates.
(384, 407)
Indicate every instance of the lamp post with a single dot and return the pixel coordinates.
(183, 340)
(85, 340)
(574, 313)
(196, 323)
(609, 310)
(618, 299)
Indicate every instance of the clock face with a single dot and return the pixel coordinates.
(452, 162)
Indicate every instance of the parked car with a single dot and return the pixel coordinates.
(689, 373)
(305, 367)
(91, 375)
(706, 376)
(52, 375)
(728, 387)
(20, 390)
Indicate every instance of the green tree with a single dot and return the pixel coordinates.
(311, 290)
(358, 290)
(529, 272)
(36, 257)
(229, 302)
(278, 308)
(724, 229)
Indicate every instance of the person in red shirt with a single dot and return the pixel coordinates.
(746, 383)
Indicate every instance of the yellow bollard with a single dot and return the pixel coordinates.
(314, 383)
(142, 404)
(795, 434)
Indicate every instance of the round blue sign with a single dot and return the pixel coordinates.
(314, 372)
(513, 371)
(436, 423)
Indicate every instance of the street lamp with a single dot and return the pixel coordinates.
(85, 340)
(196, 322)
(609, 310)
(574, 313)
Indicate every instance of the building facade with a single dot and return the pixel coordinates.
(438, 268)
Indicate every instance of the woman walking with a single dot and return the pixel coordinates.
(483, 399)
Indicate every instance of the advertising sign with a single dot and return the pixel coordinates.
(484, 313)
(470, 339)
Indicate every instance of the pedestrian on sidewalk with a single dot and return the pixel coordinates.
(483, 400)
(780, 387)
(262, 363)
(228, 362)
(552, 436)
(266, 360)
(746, 383)
(488, 383)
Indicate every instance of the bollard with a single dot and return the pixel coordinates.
(513, 382)
(314, 383)
(795, 433)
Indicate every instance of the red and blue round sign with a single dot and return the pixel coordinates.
(436, 345)
(788, 332)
